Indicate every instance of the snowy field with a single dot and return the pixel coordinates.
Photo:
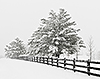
(19, 69)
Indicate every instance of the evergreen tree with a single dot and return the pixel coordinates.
(56, 36)
(15, 49)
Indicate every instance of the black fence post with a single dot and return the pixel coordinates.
(43, 60)
(57, 62)
(31, 58)
(74, 64)
(37, 59)
(52, 61)
(40, 59)
(64, 63)
(34, 59)
(88, 67)
(47, 60)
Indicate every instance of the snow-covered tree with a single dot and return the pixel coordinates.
(15, 49)
(56, 36)
(91, 48)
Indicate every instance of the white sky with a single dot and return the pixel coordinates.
(19, 18)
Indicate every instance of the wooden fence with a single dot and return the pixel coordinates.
(69, 64)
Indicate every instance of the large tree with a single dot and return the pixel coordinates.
(56, 36)
(15, 49)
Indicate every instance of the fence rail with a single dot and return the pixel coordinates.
(66, 62)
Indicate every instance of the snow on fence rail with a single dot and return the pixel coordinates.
(83, 66)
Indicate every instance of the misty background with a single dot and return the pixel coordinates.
(20, 18)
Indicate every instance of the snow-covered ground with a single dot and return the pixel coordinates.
(19, 69)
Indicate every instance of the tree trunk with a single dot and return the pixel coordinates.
(58, 55)
(59, 51)
(77, 55)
